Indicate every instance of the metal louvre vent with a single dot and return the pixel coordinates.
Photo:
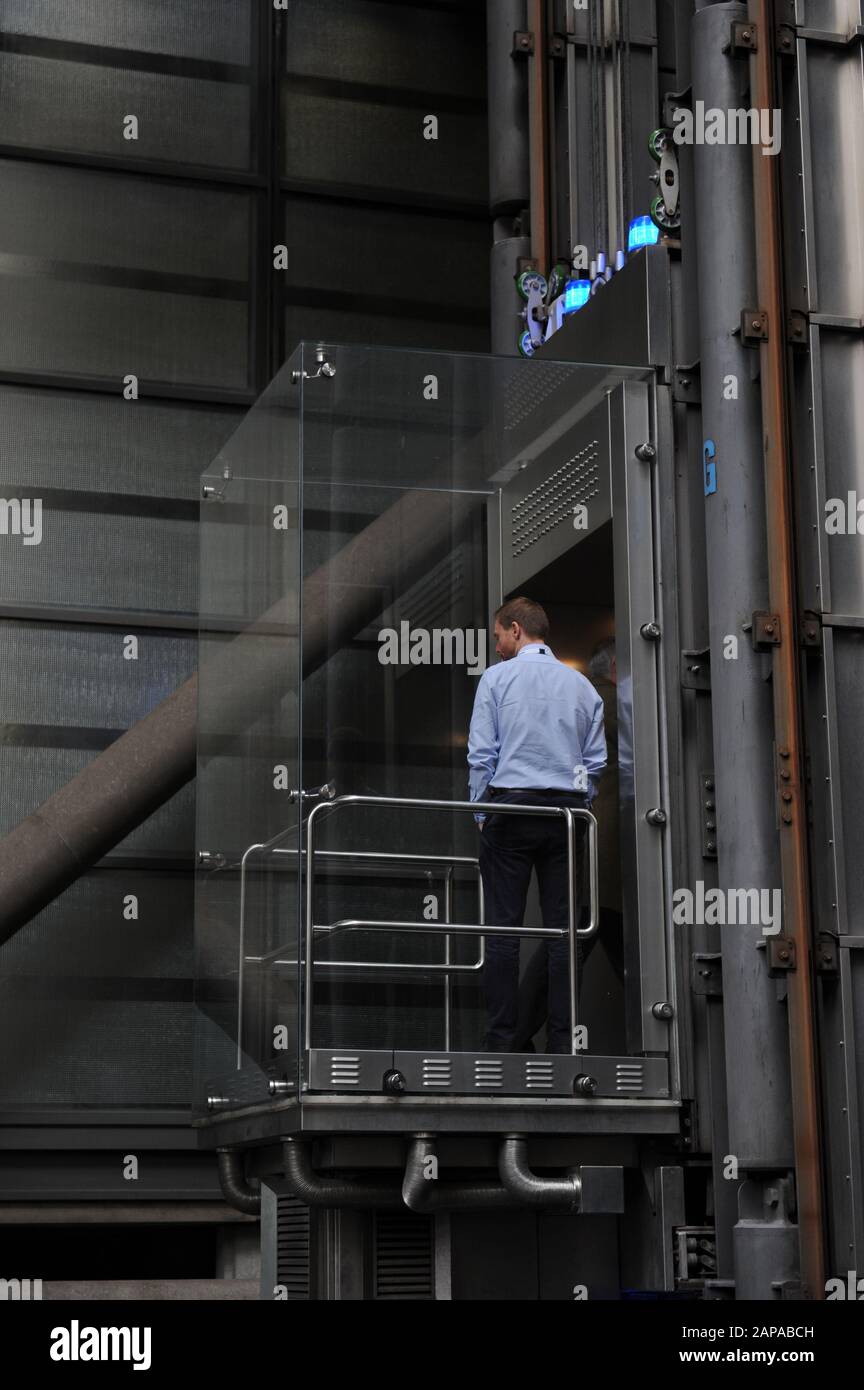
(437, 1071)
(539, 1076)
(294, 1248)
(404, 1257)
(345, 1070)
(488, 1074)
(629, 1076)
(553, 501)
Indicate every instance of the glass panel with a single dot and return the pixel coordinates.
(352, 561)
(249, 721)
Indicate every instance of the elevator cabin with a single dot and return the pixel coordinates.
(358, 532)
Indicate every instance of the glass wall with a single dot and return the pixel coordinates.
(352, 559)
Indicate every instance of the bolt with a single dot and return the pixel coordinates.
(755, 324)
(784, 954)
(784, 753)
(711, 846)
(769, 628)
(787, 796)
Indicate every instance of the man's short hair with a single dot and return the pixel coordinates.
(528, 614)
(600, 665)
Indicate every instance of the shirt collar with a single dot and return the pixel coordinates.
(535, 649)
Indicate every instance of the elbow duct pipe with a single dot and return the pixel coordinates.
(317, 1191)
(559, 1194)
(422, 1193)
(232, 1180)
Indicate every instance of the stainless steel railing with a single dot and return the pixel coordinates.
(481, 929)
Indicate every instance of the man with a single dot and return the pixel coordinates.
(603, 671)
(536, 739)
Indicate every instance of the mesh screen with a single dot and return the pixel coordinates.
(70, 106)
(65, 439)
(391, 46)
(210, 29)
(359, 144)
(29, 775)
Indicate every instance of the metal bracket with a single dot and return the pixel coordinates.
(706, 974)
(557, 46)
(827, 959)
(696, 669)
(754, 327)
(708, 818)
(811, 629)
(743, 39)
(523, 44)
(799, 329)
(765, 631)
(786, 39)
(781, 954)
(687, 384)
(790, 1291)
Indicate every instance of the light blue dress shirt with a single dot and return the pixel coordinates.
(536, 724)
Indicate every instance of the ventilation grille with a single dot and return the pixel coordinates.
(344, 1070)
(629, 1076)
(488, 1074)
(437, 1071)
(528, 392)
(404, 1256)
(539, 1076)
(575, 483)
(293, 1248)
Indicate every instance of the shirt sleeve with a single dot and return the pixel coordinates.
(594, 751)
(483, 742)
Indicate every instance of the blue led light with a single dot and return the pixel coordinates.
(576, 293)
(642, 232)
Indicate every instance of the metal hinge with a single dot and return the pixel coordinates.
(754, 326)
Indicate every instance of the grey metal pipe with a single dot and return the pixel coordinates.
(506, 305)
(561, 1194)
(318, 1191)
(232, 1180)
(507, 90)
(422, 1193)
(759, 1101)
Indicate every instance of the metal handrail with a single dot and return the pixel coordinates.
(446, 967)
(570, 815)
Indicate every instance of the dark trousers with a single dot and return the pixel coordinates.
(511, 847)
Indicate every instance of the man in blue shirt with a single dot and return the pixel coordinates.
(536, 738)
